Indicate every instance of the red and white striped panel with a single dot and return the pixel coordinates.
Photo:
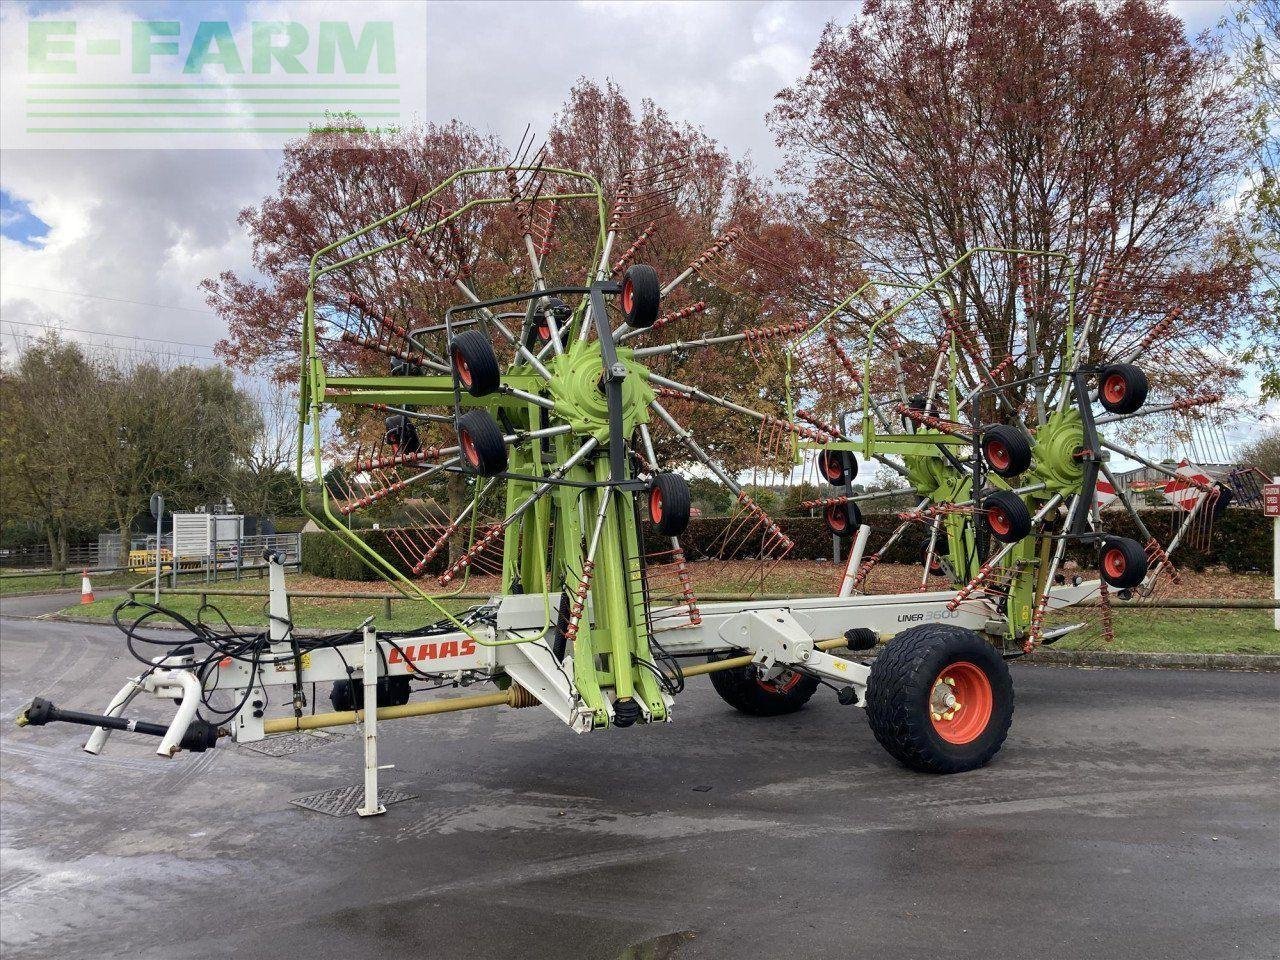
(1104, 492)
(1183, 491)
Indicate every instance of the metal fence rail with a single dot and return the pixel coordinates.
(234, 558)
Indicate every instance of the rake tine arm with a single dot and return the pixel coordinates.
(1204, 498)
(539, 492)
(696, 394)
(1124, 499)
(686, 437)
(754, 334)
(1036, 630)
(349, 508)
(869, 564)
(1126, 452)
(1199, 400)
(449, 531)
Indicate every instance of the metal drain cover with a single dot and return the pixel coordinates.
(286, 744)
(342, 801)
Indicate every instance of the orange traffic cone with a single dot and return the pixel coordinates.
(86, 588)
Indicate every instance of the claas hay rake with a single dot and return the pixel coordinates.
(478, 428)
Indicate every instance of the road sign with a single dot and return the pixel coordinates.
(1271, 499)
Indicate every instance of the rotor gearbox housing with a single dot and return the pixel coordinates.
(576, 388)
(1055, 461)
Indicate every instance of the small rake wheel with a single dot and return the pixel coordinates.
(934, 559)
(1006, 450)
(940, 699)
(641, 296)
(475, 363)
(1122, 388)
(837, 467)
(1007, 516)
(483, 448)
(402, 435)
(1123, 563)
(669, 504)
(843, 519)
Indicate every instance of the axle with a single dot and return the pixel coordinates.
(200, 735)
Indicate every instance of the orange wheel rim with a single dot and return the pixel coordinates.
(628, 296)
(1114, 388)
(999, 520)
(830, 468)
(469, 450)
(1113, 562)
(655, 505)
(998, 454)
(961, 702)
(773, 686)
(464, 370)
(836, 518)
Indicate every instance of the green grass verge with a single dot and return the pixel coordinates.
(1183, 631)
(49, 582)
(307, 613)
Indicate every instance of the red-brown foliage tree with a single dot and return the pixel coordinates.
(923, 130)
(332, 184)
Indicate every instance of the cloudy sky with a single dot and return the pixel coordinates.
(117, 241)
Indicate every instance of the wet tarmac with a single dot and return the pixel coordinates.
(1132, 814)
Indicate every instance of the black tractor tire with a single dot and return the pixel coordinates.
(483, 448)
(901, 699)
(843, 519)
(837, 467)
(1006, 515)
(1123, 563)
(741, 688)
(401, 367)
(402, 434)
(1006, 449)
(349, 694)
(917, 402)
(540, 330)
(1122, 388)
(641, 296)
(669, 504)
(475, 364)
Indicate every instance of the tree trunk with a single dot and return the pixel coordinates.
(53, 547)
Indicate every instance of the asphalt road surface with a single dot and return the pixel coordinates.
(1132, 814)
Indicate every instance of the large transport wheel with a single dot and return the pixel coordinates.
(743, 690)
(940, 699)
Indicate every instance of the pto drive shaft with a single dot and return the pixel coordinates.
(201, 735)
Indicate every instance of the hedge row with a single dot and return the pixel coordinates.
(324, 555)
(1241, 541)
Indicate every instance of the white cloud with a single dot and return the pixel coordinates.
(149, 225)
